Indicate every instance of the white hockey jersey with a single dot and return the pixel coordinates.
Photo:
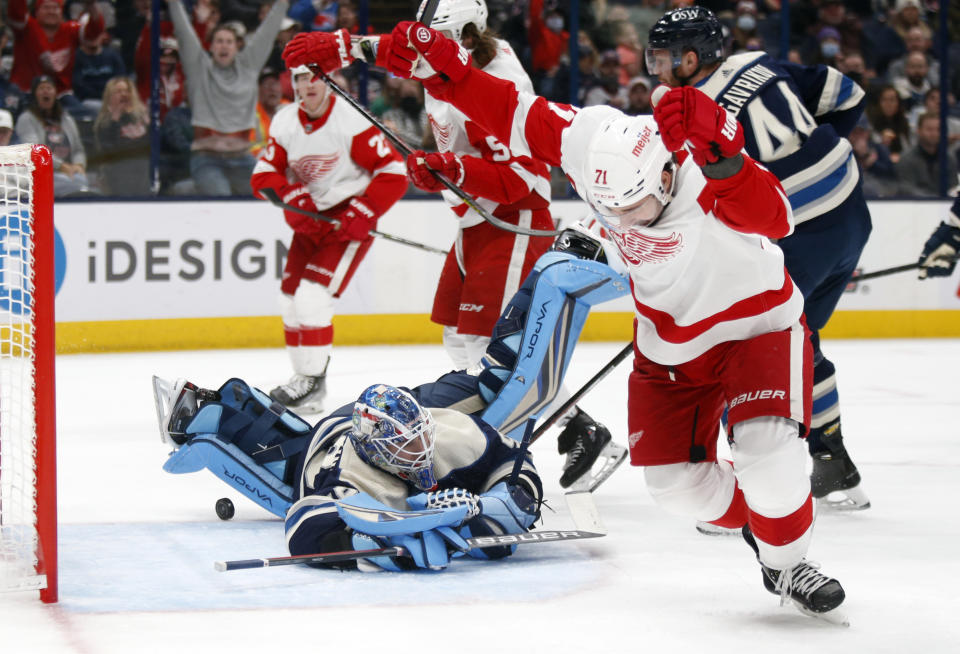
(334, 156)
(456, 133)
(696, 281)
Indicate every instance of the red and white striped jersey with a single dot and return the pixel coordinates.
(706, 271)
(335, 155)
(454, 132)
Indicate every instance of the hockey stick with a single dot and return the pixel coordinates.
(349, 555)
(406, 150)
(890, 271)
(429, 11)
(586, 388)
(275, 200)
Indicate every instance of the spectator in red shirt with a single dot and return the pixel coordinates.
(45, 44)
(548, 43)
(548, 39)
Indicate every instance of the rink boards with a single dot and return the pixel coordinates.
(184, 275)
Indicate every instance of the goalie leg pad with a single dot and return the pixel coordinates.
(564, 289)
(247, 441)
(234, 467)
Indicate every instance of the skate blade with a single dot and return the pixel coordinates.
(609, 459)
(851, 499)
(708, 529)
(835, 617)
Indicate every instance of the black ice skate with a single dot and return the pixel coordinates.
(302, 394)
(834, 472)
(812, 592)
(584, 441)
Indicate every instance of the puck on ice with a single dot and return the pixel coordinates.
(224, 508)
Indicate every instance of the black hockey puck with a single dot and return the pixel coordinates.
(225, 508)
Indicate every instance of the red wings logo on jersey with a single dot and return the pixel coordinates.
(639, 248)
(314, 167)
(441, 133)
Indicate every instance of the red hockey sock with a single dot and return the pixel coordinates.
(785, 530)
(736, 515)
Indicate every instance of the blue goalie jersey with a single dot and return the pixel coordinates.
(795, 121)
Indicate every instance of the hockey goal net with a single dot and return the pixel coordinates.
(28, 511)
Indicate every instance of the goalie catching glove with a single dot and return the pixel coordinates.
(687, 115)
(939, 256)
(438, 524)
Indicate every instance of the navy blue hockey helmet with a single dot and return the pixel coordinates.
(683, 30)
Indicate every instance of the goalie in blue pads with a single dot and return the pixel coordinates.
(393, 472)
(271, 455)
(387, 472)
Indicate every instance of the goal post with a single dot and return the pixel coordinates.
(28, 473)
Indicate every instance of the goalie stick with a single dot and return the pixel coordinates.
(613, 454)
(474, 542)
(405, 149)
(275, 200)
(576, 397)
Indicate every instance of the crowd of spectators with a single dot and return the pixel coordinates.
(76, 75)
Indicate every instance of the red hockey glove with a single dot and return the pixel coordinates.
(421, 166)
(296, 195)
(329, 50)
(686, 114)
(356, 220)
(410, 40)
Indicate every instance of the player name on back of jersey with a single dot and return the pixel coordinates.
(744, 87)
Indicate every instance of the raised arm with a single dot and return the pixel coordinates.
(525, 123)
(736, 184)
(259, 44)
(187, 40)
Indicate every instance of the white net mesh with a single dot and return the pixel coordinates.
(18, 505)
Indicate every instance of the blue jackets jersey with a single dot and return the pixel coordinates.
(468, 453)
(795, 121)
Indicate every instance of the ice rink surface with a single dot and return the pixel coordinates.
(137, 545)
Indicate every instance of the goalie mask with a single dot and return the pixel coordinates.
(394, 433)
(453, 15)
(624, 172)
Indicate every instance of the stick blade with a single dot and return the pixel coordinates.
(584, 511)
